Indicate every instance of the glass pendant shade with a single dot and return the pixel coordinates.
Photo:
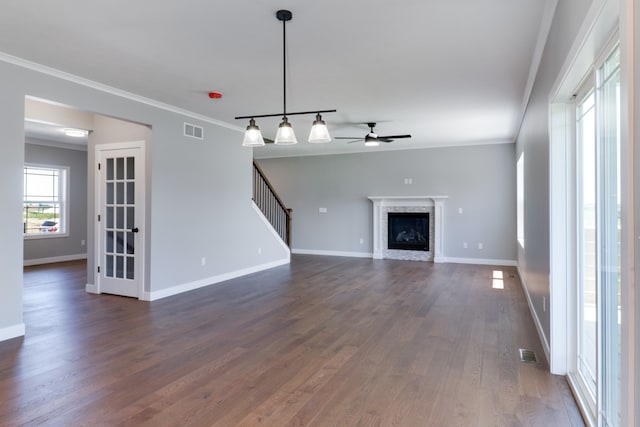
(253, 136)
(319, 132)
(285, 135)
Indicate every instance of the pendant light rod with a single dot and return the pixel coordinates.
(284, 16)
(297, 113)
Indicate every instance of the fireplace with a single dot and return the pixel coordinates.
(429, 208)
(408, 231)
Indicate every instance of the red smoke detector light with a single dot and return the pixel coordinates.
(215, 95)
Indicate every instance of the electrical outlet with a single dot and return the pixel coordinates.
(322, 210)
(203, 261)
(82, 242)
(361, 241)
(459, 210)
(259, 251)
(480, 246)
(465, 245)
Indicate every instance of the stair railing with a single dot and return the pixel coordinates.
(273, 208)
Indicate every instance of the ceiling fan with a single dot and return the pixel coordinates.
(372, 139)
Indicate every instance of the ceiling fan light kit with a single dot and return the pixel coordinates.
(372, 139)
(285, 135)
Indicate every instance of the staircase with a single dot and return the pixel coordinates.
(265, 197)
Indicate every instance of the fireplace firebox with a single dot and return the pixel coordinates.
(408, 231)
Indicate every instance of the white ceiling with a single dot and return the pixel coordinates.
(52, 132)
(449, 72)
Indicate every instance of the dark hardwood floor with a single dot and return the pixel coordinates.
(323, 342)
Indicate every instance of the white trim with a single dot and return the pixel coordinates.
(11, 332)
(332, 253)
(534, 315)
(270, 228)
(51, 260)
(536, 59)
(561, 238)
(591, 37)
(452, 260)
(141, 207)
(582, 404)
(186, 287)
(630, 171)
(20, 62)
(91, 289)
(481, 261)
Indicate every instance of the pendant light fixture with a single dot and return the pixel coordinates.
(253, 136)
(285, 135)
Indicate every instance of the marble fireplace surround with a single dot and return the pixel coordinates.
(432, 204)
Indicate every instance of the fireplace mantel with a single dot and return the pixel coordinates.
(381, 205)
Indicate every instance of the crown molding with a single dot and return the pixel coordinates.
(63, 75)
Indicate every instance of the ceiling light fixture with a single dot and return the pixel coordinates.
(76, 133)
(371, 140)
(285, 135)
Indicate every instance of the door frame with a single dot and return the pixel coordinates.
(140, 181)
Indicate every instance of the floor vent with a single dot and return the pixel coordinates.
(528, 356)
(193, 131)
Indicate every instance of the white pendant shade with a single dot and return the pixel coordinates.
(285, 135)
(253, 136)
(319, 132)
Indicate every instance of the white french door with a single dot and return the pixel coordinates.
(598, 322)
(120, 195)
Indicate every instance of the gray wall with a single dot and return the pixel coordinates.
(533, 140)
(479, 179)
(200, 200)
(76, 161)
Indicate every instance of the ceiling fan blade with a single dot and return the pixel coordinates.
(355, 140)
(268, 141)
(347, 137)
(394, 136)
(384, 139)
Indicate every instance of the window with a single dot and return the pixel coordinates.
(598, 241)
(520, 199)
(44, 208)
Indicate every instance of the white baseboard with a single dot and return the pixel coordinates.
(478, 261)
(536, 319)
(54, 259)
(481, 261)
(186, 287)
(332, 253)
(91, 289)
(12, 332)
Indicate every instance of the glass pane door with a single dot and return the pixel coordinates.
(120, 222)
(609, 247)
(586, 221)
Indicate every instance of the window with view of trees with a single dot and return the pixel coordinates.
(44, 207)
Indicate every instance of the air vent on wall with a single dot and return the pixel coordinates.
(193, 131)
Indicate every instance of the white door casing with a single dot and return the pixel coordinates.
(119, 250)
